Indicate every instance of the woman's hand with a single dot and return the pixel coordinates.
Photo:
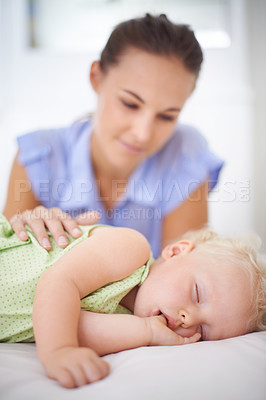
(161, 335)
(76, 366)
(55, 220)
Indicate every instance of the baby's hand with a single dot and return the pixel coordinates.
(161, 335)
(73, 367)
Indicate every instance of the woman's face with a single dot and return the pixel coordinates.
(139, 101)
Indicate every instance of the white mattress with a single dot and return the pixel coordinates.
(227, 369)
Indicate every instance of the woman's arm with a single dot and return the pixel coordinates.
(23, 208)
(108, 255)
(192, 214)
(19, 196)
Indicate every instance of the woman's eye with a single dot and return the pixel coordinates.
(130, 105)
(166, 118)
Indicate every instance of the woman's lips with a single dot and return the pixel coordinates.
(131, 148)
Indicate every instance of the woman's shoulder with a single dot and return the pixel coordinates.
(50, 158)
(185, 159)
(41, 143)
(185, 145)
(186, 140)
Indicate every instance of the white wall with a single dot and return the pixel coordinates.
(257, 56)
(41, 89)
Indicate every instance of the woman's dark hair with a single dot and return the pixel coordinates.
(156, 35)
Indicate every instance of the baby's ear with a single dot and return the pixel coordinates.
(177, 248)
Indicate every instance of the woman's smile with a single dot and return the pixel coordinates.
(130, 148)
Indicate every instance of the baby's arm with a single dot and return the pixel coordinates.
(109, 254)
(110, 333)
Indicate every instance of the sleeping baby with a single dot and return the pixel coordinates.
(105, 293)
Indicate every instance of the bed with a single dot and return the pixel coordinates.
(231, 369)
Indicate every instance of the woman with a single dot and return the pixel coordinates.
(129, 162)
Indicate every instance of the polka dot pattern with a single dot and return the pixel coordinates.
(21, 265)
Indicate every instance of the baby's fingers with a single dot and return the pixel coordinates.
(87, 372)
(96, 371)
(65, 378)
(79, 375)
(192, 339)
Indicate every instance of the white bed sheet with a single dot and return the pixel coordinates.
(232, 369)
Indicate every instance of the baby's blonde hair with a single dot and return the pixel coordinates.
(244, 253)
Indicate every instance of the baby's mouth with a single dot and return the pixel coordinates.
(171, 323)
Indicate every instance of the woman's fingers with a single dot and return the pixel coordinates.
(56, 229)
(35, 220)
(58, 223)
(18, 227)
(55, 220)
(41, 218)
(19, 221)
(88, 218)
(71, 226)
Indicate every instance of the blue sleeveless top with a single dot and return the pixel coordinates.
(59, 167)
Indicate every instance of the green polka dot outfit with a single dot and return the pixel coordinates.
(21, 265)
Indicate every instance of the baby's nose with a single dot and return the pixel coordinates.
(188, 318)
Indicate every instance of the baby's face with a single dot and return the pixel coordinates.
(196, 295)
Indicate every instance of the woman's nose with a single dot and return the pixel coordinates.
(142, 128)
